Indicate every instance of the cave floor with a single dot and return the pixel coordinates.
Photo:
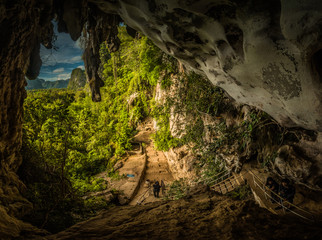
(201, 215)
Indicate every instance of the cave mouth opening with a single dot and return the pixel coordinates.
(56, 60)
(317, 63)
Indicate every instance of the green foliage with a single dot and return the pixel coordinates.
(57, 168)
(130, 76)
(178, 189)
(70, 139)
(163, 140)
(256, 118)
(195, 99)
(115, 175)
(269, 160)
(194, 96)
(95, 204)
(241, 193)
(210, 168)
(198, 96)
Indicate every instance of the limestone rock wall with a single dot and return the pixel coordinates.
(301, 162)
(263, 53)
(21, 25)
(77, 79)
(181, 163)
(290, 153)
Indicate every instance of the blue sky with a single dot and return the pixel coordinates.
(58, 64)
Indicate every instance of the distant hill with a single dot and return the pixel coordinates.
(77, 79)
(42, 84)
(56, 84)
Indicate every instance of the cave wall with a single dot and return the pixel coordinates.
(21, 23)
(24, 25)
(282, 152)
(265, 54)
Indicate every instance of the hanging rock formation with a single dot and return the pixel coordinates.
(263, 53)
(101, 27)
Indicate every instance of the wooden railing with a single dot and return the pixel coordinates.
(300, 212)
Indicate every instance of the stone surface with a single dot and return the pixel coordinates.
(293, 163)
(299, 160)
(100, 27)
(312, 148)
(181, 163)
(199, 216)
(20, 32)
(73, 17)
(77, 79)
(181, 160)
(263, 53)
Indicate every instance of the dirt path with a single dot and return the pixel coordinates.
(143, 163)
(157, 168)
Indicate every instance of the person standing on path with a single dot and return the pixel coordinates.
(162, 188)
(287, 191)
(156, 189)
(272, 185)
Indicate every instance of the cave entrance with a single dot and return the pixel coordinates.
(58, 62)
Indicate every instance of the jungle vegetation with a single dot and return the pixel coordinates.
(68, 139)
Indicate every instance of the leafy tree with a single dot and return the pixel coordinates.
(69, 139)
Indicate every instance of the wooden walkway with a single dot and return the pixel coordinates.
(226, 182)
(229, 184)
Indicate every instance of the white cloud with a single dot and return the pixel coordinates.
(81, 67)
(59, 63)
(67, 51)
(63, 76)
(59, 70)
(75, 59)
(67, 55)
(49, 78)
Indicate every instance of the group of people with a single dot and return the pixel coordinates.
(285, 190)
(157, 187)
